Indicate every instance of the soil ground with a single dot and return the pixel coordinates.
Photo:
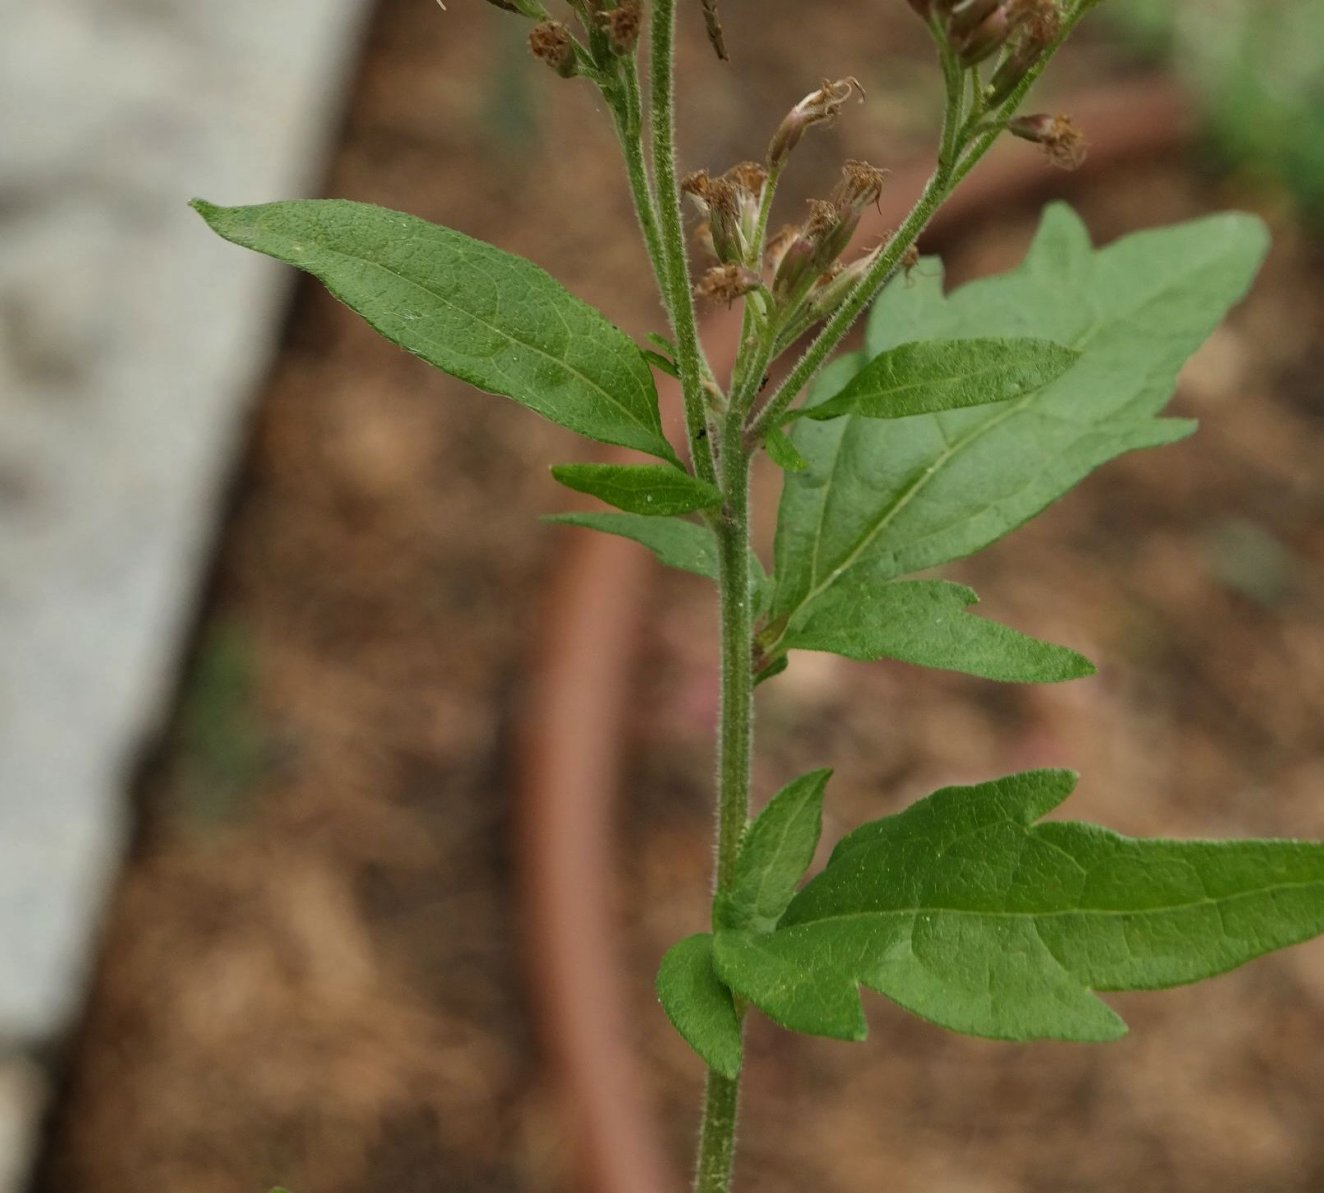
(311, 975)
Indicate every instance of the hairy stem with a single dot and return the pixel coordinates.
(717, 1141)
(625, 117)
(735, 739)
(678, 289)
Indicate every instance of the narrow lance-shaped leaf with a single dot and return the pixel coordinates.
(925, 622)
(781, 451)
(486, 316)
(676, 542)
(698, 1005)
(894, 497)
(777, 850)
(966, 912)
(654, 490)
(930, 376)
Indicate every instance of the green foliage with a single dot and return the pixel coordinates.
(654, 490)
(1256, 71)
(483, 315)
(781, 451)
(925, 622)
(883, 499)
(774, 855)
(676, 542)
(930, 376)
(698, 1005)
(966, 912)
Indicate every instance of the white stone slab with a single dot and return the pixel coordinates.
(130, 343)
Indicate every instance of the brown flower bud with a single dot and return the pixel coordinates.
(814, 251)
(1038, 21)
(622, 24)
(860, 186)
(795, 270)
(551, 42)
(777, 247)
(831, 289)
(732, 204)
(1062, 142)
(724, 220)
(818, 107)
(984, 40)
(726, 283)
(968, 15)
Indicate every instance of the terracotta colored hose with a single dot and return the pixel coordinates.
(580, 697)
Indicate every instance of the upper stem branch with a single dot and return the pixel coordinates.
(678, 291)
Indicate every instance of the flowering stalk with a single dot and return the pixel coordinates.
(801, 953)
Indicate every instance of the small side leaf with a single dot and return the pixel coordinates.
(664, 364)
(930, 376)
(776, 852)
(655, 490)
(698, 1005)
(483, 315)
(677, 543)
(965, 911)
(925, 622)
(781, 451)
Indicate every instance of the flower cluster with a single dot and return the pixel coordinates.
(612, 28)
(799, 271)
(975, 30)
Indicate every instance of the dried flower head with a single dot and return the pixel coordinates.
(819, 107)
(731, 204)
(1062, 142)
(1038, 21)
(984, 39)
(726, 283)
(551, 42)
(860, 186)
(622, 24)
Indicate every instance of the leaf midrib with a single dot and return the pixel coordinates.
(1013, 407)
(1165, 909)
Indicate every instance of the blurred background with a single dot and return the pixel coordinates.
(272, 595)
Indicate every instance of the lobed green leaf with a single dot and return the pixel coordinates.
(925, 622)
(931, 376)
(654, 490)
(895, 497)
(966, 912)
(483, 315)
(698, 1005)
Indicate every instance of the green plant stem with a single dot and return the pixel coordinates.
(717, 1140)
(680, 297)
(625, 118)
(735, 740)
